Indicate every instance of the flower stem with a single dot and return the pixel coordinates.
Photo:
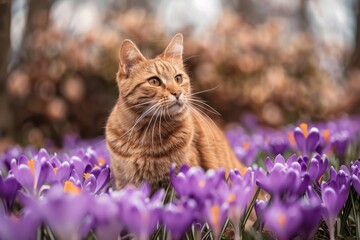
(332, 232)
(356, 215)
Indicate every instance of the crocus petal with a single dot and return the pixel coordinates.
(314, 169)
(102, 179)
(63, 172)
(25, 177)
(356, 183)
(90, 183)
(269, 164)
(312, 140)
(329, 199)
(300, 139)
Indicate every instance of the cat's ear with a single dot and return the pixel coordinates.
(175, 48)
(129, 55)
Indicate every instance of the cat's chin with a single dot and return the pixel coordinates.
(176, 108)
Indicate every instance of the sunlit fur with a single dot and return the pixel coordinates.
(148, 129)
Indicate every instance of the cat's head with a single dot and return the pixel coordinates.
(159, 86)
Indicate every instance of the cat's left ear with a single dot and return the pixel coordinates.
(175, 48)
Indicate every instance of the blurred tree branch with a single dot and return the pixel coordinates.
(5, 20)
(355, 58)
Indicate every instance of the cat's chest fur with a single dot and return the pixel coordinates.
(146, 152)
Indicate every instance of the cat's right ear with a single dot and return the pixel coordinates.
(129, 55)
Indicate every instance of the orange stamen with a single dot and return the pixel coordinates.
(281, 219)
(215, 213)
(31, 164)
(291, 139)
(86, 175)
(304, 129)
(69, 187)
(56, 170)
(246, 145)
(101, 161)
(331, 150)
(326, 134)
(231, 198)
(202, 184)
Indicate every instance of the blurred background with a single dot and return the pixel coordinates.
(282, 61)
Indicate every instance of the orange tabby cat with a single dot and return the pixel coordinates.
(154, 123)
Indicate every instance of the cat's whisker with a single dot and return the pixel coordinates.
(199, 100)
(203, 91)
(196, 115)
(139, 104)
(139, 120)
(149, 123)
(160, 127)
(205, 120)
(205, 107)
(154, 125)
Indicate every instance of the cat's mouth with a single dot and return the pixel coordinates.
(177, 106)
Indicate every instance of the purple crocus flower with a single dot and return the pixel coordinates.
(317, 167)
(31, 175)
(240, 193)
(8, 191)
(283, 219)
(310, 207)
(340, 141)
(307, 141)
(260, 206)
(96, 184)
(64, 213)
(60, 173)
(139, 213)
(195, 183)
(355, 175)
(334, 193)
(107, 221)
(278, 144)
(215, 213)
(288, 177)
(13, 227)
(178, 217)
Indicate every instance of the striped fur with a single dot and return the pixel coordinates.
(147, 132)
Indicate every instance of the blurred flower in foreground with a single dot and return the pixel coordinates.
(241, 191)
(13, 227)
(334, 193)
(64, 210)
(8, 191)
(140, 213)
(310, 207)
(178, 217)
(283, 219)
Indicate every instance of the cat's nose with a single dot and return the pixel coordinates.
(176, 93)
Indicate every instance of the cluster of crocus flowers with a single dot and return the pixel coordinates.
(69, 194)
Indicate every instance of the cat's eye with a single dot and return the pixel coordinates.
(154, 81)
(178, 79)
